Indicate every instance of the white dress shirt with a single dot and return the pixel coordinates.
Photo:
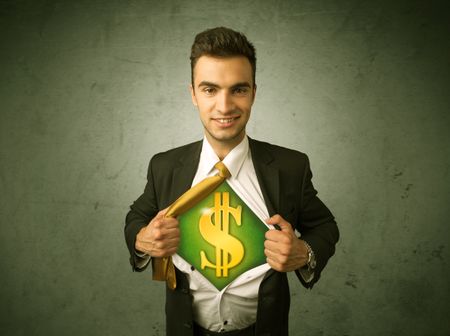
(233, 307)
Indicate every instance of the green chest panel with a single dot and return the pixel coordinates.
(221, 237)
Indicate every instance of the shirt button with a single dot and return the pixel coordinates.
(225, 322)
(192, 268)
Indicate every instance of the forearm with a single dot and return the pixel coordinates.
(322, 239)
(135, 220)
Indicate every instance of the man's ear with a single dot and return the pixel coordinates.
(193, 97)
(254, 93)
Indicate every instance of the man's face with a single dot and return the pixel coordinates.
(224, 93)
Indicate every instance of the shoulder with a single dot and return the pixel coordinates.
(175, 153)
(178, 154)
(288, 162)
(276, 152)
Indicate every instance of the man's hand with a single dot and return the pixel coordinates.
(284, 251)
(160, 238)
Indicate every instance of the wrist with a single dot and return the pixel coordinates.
(141, 254)
(311, 262)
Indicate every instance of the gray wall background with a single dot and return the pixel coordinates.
(90, 90)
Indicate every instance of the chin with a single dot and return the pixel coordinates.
(227, 137)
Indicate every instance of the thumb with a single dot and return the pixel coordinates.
(162, 213)
(280, 223)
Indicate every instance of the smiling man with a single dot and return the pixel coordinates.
(224, 92)
(275, 181)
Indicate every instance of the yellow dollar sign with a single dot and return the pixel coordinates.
(229, 250)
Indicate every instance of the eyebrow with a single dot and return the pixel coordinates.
(240, 84)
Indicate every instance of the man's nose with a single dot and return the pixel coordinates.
(224, 102)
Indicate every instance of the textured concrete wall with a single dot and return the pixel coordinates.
(90, 90)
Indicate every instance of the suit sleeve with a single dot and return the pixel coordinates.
(142, 211)
(317, 226)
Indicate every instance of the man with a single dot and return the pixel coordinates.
(276, 180)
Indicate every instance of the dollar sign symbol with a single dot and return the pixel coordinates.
(229, 250)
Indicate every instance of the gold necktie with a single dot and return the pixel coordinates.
(163, 269)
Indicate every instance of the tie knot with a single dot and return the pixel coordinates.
(223, 170)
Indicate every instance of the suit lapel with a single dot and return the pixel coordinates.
(183, 174)
(269, 181)
(267, 174)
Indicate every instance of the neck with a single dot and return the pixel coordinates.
(222, 148)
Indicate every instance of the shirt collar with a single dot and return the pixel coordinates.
(233, 161)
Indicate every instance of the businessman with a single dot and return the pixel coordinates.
(276, 180)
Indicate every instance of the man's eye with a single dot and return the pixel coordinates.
(209, 90)
(240, 91)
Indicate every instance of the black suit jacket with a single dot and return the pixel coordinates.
(284, 176)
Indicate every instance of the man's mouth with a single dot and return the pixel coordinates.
(226, 120)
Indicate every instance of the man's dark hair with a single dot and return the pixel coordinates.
(222, 42)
